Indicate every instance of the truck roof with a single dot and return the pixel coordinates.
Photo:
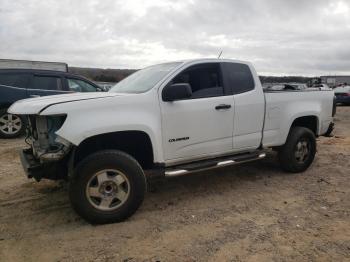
(213, 60)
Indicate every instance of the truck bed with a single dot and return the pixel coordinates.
(283, 105)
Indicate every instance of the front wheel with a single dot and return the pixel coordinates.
(298, 153)
(108, 186)
(10, 125)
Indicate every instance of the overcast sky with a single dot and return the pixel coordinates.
(304, 37)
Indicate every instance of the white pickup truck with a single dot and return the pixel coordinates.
(166, 120)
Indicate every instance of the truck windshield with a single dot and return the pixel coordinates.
(143, 80)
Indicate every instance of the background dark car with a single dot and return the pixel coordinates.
(16, 84)
(342, 94)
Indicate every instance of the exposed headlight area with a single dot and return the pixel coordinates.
(42, 137)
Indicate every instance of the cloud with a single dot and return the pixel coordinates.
(279, 37)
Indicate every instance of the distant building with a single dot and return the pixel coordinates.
(332, 81)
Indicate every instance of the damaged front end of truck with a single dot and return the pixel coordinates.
(49, 154)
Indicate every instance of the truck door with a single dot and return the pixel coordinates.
(45, 84)
(203, 124)
(249, 105)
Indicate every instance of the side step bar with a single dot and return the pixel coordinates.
(213, 163)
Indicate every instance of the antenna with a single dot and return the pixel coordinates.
(220, 54)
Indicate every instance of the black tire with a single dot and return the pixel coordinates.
(288, 155)
(88, 168)
(5, 132)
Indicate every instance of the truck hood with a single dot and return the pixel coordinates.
(33, 106)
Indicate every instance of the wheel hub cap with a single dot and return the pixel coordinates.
(302, 151)
(108, 189)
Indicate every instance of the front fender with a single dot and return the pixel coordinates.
(90, 118)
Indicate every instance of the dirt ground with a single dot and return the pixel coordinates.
(253, 212)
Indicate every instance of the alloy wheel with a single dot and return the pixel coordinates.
(302, 150)
(10, 124)
(108, 189)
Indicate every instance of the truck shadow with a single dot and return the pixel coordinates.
(250, 171)
(227, 182)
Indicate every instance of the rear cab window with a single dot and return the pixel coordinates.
(19, 80)
(238, 77)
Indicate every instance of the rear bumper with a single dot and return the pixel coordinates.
(34, 169)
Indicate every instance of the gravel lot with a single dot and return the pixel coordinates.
(253, 212)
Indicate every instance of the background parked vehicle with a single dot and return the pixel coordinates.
(16, 84)
(321, 86)
(342, 94)
(286, 86)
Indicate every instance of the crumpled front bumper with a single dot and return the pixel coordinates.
(34, 169)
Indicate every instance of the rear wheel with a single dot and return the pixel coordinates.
(108, 186)
(10, 125)
(299, 151)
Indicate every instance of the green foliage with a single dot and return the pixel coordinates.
(103, 75)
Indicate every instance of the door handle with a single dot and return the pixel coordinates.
(34, 96)
(222, 106)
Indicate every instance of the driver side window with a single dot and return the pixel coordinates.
(205, 80)
(77, 85)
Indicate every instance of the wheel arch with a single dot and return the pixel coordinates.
(138, 144)
(309, 121)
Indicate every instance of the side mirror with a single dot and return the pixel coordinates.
(176, 92)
